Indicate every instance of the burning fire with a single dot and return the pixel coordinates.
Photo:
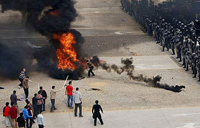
(54, 13)
(66, 53)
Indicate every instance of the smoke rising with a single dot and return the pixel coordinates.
(12, 60)
(128, 68)
(47, 61)
(46, 17)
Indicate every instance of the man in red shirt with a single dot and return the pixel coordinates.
(13, 115)
(69, 93)
(6, 110)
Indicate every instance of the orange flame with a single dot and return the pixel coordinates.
(54, 13)
(66, 54)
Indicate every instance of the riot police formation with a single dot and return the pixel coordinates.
(174, 31)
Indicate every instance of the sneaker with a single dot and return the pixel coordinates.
(81, 116)
(75, 115)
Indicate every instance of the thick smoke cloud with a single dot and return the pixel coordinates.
(46, 60)
(12, 61)
(47, 17)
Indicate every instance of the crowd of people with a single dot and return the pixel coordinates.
(34, 111)
(25, 118)
(30, 112)
(181, 37)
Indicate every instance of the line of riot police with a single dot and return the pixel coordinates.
(182, 39)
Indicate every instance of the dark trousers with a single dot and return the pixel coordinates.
(2, 8)
(179, 56)
(173, 52)
(166, 45)
(39, 108)
(43, 105)
(26, 92)
(52, 105)
(79, 105)
(199, 74)
(186, 66)
(100, 119)
(194, 71)
(29, 122)
(90, 71)
(35, 111)
(21, 80)
(183, 61)
(41, 126)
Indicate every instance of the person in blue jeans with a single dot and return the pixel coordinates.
(69, 93)
(27, 118)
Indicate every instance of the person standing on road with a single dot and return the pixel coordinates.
(30, 109)
(6, 111)
(53, 97)
(25, 86)
(78, 102)
(44, 95)
(21, 77)
(96, 113)
(69, 93)
(91, 67)
(35, 105)
(21, 121)
(13, 99)
(40, 120)
(39, 102)
(13, 115)
(27, 118)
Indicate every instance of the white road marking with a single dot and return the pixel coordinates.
(119, 33)
(184, 114)
(189, 125)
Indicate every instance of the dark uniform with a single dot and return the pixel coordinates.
(96, 113)
(198, 66)
(193, 65)
(187, 60)
(91, 67)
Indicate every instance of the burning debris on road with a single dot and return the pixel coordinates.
(52, 19)
(129, 68)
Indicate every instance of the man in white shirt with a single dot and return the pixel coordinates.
(53, 97)
(40, 120)
(78, 102)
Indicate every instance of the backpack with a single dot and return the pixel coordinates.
(3, 110)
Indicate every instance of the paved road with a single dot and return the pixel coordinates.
(110, 32)
(151, 118)
(146, 62)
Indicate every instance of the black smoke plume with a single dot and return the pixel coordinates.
(45, 16)
(128, 68)
(12, 60)
(48, 17)
(47, 61)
